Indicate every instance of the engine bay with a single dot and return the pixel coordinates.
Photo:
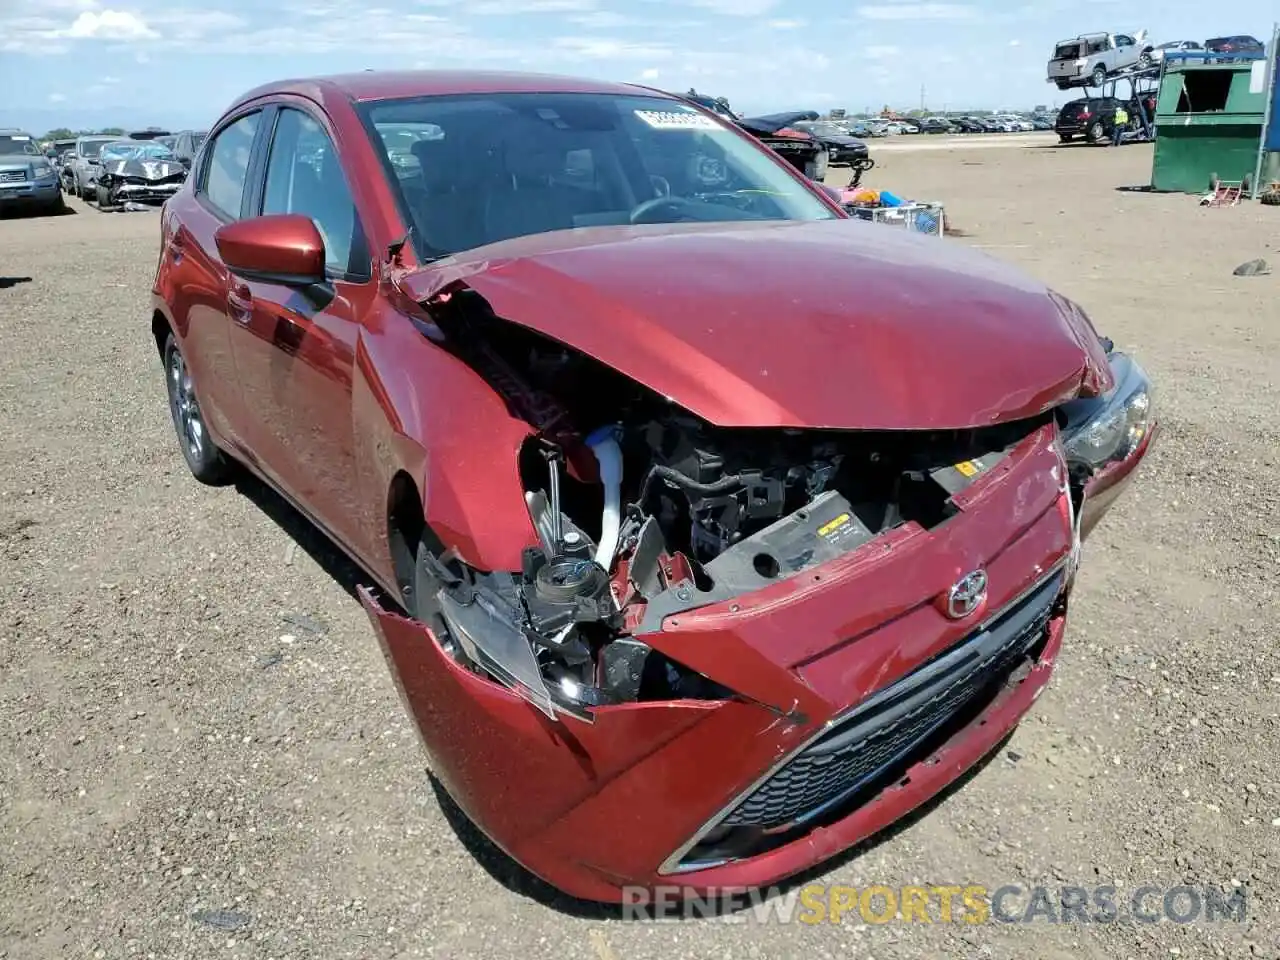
(644, 510)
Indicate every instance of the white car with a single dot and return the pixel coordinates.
(1157, 54)
(1089, 59)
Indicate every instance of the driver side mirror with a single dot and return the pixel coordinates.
(283, 248)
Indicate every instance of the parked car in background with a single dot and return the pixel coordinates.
(150, 133)
(802, 150)
(669, 611)
(61, 150)
(1087, 60)
(137, 170)
(842, 149)
(968, 125)
(1089, 118)
(1158, 52)
(1239, 47)
(28, 178)
(937, 125)
(186, 143)
(84, 164)
(1042, 123)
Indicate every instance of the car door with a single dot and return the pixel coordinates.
(199, 279)
(294, 348)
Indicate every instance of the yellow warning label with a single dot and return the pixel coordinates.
(832, 525)
(968, 467)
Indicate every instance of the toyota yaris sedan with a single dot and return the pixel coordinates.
(707, 530)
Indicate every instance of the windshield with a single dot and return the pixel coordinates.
(145, 150)
(825, 129)
(18, 143)
(476, 169)
(91, 148)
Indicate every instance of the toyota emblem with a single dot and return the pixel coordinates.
(967, 594)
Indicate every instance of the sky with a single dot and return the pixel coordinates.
(179, 63)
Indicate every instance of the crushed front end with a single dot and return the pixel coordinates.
(143, 181)
(731, 653)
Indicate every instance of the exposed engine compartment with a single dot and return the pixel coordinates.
(644, 510)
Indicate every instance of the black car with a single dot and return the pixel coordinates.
(842, 149)
(802, 150)
(937, 125)
(1091, 118)
(968, 125)
(1226, 49)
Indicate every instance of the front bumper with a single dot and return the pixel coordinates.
(144, 191)
(30, 193)
(602, 809)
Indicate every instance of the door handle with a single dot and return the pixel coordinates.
(240, 302)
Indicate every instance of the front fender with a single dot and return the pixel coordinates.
(421, 410)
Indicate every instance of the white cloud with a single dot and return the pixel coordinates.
(786, 24)
(110, 80)
(918, 11)
(504, 8)
(603, 20)
(738, 8)
(1015, 43)
(649, 74)
(882, 52)
(111, 25)
(57, 98)
(600, 48)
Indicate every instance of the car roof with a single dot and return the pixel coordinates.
(403, 84)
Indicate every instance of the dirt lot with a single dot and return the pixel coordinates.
(201, 753)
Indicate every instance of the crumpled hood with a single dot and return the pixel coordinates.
(774, 122)
(839, 324)
(145, 169)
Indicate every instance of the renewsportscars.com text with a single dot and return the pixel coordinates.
(941, 903)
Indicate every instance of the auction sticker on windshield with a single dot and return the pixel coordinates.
(676, 120)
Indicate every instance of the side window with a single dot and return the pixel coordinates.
(1123, 41)
(304, 175)
(226, 170)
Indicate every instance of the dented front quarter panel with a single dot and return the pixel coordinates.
(419, 409)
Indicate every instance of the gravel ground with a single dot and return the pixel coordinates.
(202, 754)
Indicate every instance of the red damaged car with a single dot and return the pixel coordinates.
(708, 530)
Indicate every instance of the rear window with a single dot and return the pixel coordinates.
(1066, 51)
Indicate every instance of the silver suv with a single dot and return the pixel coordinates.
(1087, 60)
(84, 164)
(27, 176)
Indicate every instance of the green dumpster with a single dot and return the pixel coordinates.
(1207, 122)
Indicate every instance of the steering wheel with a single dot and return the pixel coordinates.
(645, 207)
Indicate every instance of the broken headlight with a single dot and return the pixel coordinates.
(1101, 430)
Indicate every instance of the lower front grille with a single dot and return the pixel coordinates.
(13, 176)
(873, 744)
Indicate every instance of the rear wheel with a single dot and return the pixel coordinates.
(1096, 132)
(1064, 138)
(207, 462)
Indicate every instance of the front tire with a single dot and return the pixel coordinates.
(1096, 132)
(205, 459)
(1064, 138)
(1099, 76)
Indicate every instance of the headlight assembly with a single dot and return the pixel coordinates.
(1101, 430)
(44, 173)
